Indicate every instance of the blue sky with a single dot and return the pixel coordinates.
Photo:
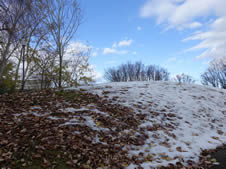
(169, 33)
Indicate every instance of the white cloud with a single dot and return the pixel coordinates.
(109, 51)
(125, 43)
(122, 43)
(96, 75)
(94, 54)
(182, 14)
(78, 46)
(212, 41)
(139, 28)
(194, 25)
(159, 8)
(114, 51)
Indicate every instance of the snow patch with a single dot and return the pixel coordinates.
(181, 119)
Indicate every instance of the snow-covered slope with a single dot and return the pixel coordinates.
(180, 120)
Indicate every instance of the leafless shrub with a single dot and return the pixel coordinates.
(183, 78)
(136, 72)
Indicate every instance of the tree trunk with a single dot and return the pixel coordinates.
(60, 73)
(17, 69)
(2, 67)
(4, 57)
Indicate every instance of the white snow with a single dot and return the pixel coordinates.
(72, 109)
(192, 118)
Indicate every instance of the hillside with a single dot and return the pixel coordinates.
(114, 125)
(179, 121)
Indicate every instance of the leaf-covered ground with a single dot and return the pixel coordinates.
(34, 133)
(73, 129)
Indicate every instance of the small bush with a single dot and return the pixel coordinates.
(7, 85)
(183, 78)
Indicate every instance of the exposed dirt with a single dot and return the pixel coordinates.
(220, 156)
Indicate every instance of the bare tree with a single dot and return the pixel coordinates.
(113, 75)
(222, 76)
(35, 35)
(215, 75)
(78, 66)
(156, 73)
(46, 67)
(183, 78)
(65, 17)
(150, 72)
(136, 72)
(124, 69)
(22, 21)
(130, 70)
(12, 15)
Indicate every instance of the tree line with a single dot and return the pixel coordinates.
(215, 75)
(34, 43)
(136, 72)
